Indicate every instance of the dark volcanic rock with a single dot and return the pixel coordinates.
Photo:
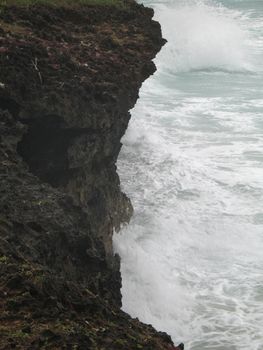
(68, 78)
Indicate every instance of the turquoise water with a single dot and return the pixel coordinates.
(192, 163)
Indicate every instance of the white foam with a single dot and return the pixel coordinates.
(203, 36)
(191, 163)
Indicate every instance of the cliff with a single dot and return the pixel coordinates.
(69, 76)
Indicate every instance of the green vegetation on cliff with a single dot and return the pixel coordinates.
(67, 3)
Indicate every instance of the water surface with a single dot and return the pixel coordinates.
(192, 163)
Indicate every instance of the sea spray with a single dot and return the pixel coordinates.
(203, 36)
(192, 165)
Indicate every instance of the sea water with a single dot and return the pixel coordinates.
(192, 163)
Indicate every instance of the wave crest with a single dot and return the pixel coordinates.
(203, 36)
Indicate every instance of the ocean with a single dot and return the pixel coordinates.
(192, 164)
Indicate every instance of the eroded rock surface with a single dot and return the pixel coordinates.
(68, 78)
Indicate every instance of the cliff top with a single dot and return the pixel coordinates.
(62, 3)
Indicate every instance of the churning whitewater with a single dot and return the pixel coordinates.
(192, 163)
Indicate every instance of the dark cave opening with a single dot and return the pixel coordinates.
(44, 148)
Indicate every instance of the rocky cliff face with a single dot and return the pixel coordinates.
(68, 78)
